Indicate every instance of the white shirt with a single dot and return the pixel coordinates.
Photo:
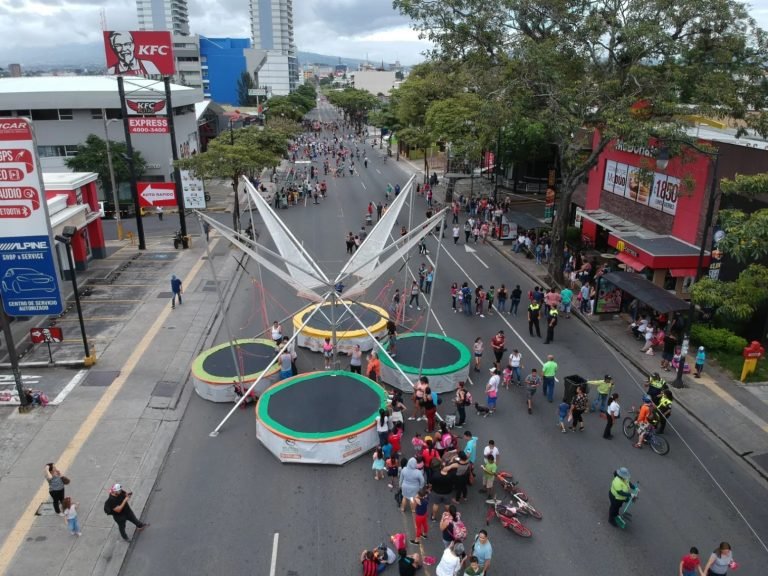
(382, 427)
(515, 360)
(449, 564)
(491, 450)
(614, 409)
(277, 332)
(493, 383)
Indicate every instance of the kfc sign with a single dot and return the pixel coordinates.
(148, 125)
(145, 107)
(139, 53)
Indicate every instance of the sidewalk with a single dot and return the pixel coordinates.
(120, 417)
(735, 413)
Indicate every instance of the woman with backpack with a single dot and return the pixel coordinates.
(451, 526)
(462, 399)
(430, 408)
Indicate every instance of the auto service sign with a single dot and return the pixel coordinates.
(139, 53)
(156, 194)
(29, 278)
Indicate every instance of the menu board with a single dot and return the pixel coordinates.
(656, 190)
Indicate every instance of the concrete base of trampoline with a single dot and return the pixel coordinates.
(216, 392)
(335, 452)
(438, 383)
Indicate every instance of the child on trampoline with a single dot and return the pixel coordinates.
(327, 353)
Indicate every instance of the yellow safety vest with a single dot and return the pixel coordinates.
(665, 403)
(618, 486)
(657, 383)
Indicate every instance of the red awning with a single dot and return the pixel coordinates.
(633, 263)
(682, 272)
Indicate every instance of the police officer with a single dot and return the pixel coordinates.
(665, 410)
(621, 490)
(551, 323)
(655, 385)
(533, 318)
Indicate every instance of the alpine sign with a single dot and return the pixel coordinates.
(157, 194)
(29, 280)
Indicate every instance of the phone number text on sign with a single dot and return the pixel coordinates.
(154, 125)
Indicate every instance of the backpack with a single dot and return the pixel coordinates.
(107, 510)
(459, 531)
(468, 398)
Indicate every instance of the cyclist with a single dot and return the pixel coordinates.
(643, 421)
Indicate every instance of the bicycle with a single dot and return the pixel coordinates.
(658, 443)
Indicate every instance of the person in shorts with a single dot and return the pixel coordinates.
(532, 383)
(327, 353)
(489, 477)
(562, 412)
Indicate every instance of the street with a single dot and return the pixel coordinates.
(225, 505)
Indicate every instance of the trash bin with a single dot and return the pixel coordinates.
(571, 383)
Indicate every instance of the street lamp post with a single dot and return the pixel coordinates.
(236, 215)
(66, 239)
(662, 161)
(112, 179)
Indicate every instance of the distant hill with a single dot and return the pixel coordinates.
(315, 58)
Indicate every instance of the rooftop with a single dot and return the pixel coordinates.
(80, 84)
(67, 180)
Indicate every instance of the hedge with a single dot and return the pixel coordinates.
(718, 339)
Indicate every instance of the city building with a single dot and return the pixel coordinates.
(67, 109)
(72, 199)
(14, 70)
(272, 60)
(653, 216)
(223, 62)
(186, 53)
(374, 81)
(169, 15)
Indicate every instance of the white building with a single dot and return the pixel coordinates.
(186, 53)
(272, 60)
(163, 15)
(374, 81)
(67, 109)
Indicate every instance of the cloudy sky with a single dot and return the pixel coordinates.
(352, 28)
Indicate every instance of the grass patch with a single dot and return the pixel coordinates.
(733, 365)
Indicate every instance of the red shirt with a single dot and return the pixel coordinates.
(370, 568)
(497, 342)
(394, 439)
(691, 562)
(427, 456)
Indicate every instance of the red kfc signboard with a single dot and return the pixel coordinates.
(146, 53)
(148, 125)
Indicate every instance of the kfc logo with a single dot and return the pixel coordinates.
(145, 107)
(147, 53)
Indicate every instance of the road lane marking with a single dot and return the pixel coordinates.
(378, 171)
(472, 251)
(273, 564)
(79, 377)
(23, 525)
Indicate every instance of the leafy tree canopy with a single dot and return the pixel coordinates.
(92, 157)
(737, 300)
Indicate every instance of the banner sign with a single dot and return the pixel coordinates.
(654, 189)
(191, 186)
(145, 106)
(46, 335)
(148, 125)
(156, 194)
(29, 279)
(139, 53)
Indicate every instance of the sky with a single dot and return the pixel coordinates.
(351, 28)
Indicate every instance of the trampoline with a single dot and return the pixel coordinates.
(348, 331)
(446, 362)
(214, 372)
(320, 417)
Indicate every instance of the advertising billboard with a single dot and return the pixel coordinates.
(191, 186)
(148, 125)
(653, 189)
(29, 279)
(139, 53)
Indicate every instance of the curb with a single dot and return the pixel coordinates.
(756, 467)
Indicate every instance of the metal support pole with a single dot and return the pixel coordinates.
(14, 358)
(334, 335)
(68, 244)
(678, 383)
(429, 306)
(236, 210)
(175, 156)
(112, 179)
(131, 167)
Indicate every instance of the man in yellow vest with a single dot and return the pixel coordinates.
(534, 309)
(655, 385)
(551, 323)
(621, 490)
(604, 388)
(664, 410)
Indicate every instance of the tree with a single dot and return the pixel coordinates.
(244, 84)
(736, 300)
(355, 104)
(92, 157)
(574, 66)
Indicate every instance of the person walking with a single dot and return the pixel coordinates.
(420, 515)
(501, 297)
(450, 563)
(461, 400)
(492, 389)
(177, 290)
(532, 383)
(466, 299)
(70, 516)
(497, 345)
(467, 231)
(548, 373)
(482, 551)
(373, 369)
(720, 561)
(207, 231)
(701, 357)
(456, 232)
(514, 300)
(411, 481)
(118, 506)
(533, 318)
(477, 352)
(566, 299)
(579, 405)
(612, 414)
(551, 323)
(414, 296)
(516, 364)
(690, 564)
(382, 427)
(621, 490)
(664, 410)
(454, 295)
(428, 280)
(56, 485)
